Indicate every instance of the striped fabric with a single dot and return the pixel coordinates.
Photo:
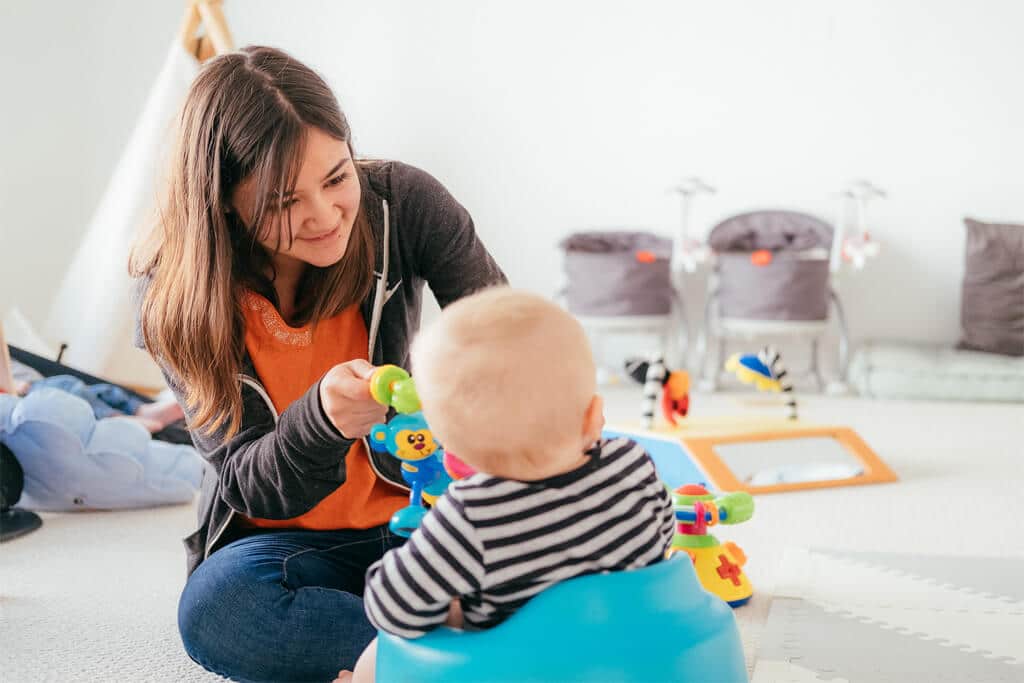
(657, 374)
(496, 543)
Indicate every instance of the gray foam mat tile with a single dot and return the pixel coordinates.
(1000, 577)
(835, 647)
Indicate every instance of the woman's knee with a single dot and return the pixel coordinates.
(222, 613)
(237, 618)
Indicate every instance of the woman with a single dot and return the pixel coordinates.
(281, 271)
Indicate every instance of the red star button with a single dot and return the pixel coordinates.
(728, 570)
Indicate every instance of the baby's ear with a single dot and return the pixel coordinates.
(593, 420)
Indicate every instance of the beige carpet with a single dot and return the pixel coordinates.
(92, 596)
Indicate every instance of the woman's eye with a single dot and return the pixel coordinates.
(287, 204)
(338, 179)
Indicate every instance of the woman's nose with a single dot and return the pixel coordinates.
(325, 214)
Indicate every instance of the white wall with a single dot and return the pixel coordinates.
(546, 117)
(75, 78)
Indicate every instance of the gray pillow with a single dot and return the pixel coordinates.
(992, 308)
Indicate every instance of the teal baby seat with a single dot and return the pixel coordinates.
(640, 626)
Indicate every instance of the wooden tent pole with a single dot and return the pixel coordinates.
(216, 25)
(210, 15)
(189, 26)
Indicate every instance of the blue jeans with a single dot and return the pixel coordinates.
(282, 605)
(106, 400)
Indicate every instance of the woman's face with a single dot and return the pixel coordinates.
(322, 207)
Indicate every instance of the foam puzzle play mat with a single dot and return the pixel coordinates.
(871, 617)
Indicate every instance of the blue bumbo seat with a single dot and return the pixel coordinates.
(641, 626)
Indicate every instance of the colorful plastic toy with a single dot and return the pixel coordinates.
(673, 384)
(455, 468)
(718, 565)
(766, 372)
(408, 438)
(650, 624)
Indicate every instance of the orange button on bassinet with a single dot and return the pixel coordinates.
(761, 257)
(646, 257)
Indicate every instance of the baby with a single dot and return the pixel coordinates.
(507, 383)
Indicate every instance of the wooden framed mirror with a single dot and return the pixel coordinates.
(760, 459)
(791, 460)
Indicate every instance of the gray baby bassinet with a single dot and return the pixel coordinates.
(771, 277)
(772, 265)
(617, 273)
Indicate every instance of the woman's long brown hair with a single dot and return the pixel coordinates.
(246, 115)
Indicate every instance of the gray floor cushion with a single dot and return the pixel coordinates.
(916, 371)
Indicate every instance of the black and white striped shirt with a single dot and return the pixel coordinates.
(496, 543)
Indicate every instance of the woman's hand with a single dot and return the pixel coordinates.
(345, 397)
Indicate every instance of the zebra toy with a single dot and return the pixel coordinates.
(765, 371)
(674, 385)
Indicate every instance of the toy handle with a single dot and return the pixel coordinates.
(392, 386)
(733, 508)
(736, 507)
(687, 515)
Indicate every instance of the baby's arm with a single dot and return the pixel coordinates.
(410, 590)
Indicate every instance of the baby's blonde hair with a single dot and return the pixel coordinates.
(504, 374)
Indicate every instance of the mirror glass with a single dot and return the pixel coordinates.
(788, 461)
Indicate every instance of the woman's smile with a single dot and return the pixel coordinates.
(322, 238)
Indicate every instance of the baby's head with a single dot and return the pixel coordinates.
(507, 382)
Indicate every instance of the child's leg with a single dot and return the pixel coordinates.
(161, 414)
(155, 416)
(165, 413)
(366, 667)
(108, 400)
(115, 397)
(77, 387)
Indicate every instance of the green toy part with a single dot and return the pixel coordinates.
(383, 381)
(404, 397)
(392, 386)
(737, 507)
(694, 541)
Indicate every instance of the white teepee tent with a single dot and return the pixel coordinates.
(93, 312)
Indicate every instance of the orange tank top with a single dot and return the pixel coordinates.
(289, 360)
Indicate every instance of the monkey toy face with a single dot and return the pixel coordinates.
(414, 444)
(407, 437)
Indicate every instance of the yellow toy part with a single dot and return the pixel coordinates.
(720, 571)
(748, 375)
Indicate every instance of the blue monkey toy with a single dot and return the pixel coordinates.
(408, 438)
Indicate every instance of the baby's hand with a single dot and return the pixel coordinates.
(455, 619)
